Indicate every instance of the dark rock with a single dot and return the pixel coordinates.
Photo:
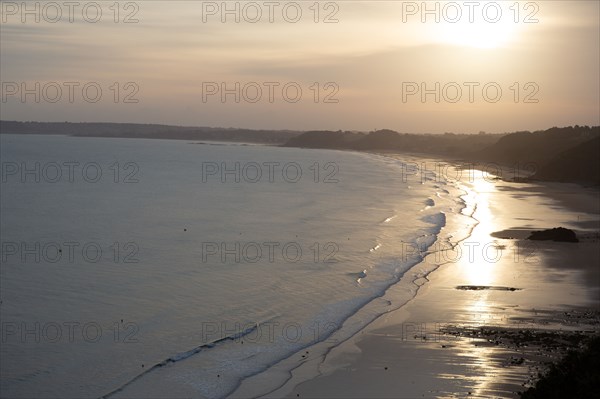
(555, 234)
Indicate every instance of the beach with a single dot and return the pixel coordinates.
(434, 290)
(490, 310)
(299, 199)
(199, 281)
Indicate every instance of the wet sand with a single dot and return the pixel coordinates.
(485, 322)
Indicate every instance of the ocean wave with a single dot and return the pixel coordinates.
(375, 248)
(389, 219)
(187, 354)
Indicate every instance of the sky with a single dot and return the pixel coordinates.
(414, 67)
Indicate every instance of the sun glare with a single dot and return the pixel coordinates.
(477, 34)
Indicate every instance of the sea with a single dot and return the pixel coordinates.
(179, 266)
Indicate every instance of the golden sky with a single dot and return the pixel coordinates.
(435, 66)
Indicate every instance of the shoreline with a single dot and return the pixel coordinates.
(354, 368)
(422, 320)
(414, 278)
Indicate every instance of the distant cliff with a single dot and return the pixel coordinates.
(538, 147)
(569, 154)
(147, 131)
(449, 144)
(580, 164)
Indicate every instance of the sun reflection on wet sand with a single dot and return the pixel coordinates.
(488, 374)
(476, 265)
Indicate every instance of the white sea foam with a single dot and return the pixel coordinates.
(184, 307)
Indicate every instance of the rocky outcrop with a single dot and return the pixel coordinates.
(556, 234)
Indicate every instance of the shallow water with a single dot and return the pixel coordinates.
(119, 255)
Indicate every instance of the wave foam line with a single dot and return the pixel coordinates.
(185, 355)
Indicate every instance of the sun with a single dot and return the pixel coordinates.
(478, 34)
(483, 25)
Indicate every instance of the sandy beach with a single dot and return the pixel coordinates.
(300, 199)
(490, 310)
